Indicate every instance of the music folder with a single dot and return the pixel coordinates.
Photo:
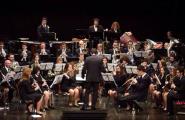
(131, 69)
(107, 77)
(46, 66)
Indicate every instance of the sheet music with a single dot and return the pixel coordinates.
(111, 66)
(49, 66)
(107, 76)
(43, 66)
(154, 65)
(131, 69)
(18, 76)
(58, 67)
(57, 80)
(20, 68)
(141, 54)
(108, 56)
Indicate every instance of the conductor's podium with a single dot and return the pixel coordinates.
(71, 114)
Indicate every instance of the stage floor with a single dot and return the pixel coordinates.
(16, 112)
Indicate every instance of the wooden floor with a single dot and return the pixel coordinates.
(17, 112)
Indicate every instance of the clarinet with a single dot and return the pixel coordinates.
(35, 83)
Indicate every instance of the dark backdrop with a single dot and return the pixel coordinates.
(145, 18)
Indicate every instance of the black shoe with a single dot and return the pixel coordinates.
(84, 108)
(170, 113)
(93, 108)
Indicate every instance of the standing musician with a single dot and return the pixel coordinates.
(95, 32)
(28, 91)
(43, 28)
(177, 91)
(44, 88)
(93, 67)
(139, 86)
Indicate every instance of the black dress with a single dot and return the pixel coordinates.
(68, 83)
(27, 92)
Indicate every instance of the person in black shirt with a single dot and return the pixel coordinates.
(43, 28)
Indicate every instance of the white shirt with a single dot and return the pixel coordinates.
(95, 28)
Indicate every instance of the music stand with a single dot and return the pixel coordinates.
(18, 76)
(107, 77)
(44, 58)
(111, 66)
(46, 66)
(131, 69)
(141, 54)
(20, 68)
(48, 36)
(57, 80)
(109, 56)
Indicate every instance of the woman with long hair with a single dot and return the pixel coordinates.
(29, 91)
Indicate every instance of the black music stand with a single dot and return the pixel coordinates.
(48, 36)
(46, 66)
(44, 58)
(95, 38)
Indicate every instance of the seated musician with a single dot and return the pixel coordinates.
(82, 49)
(68, 84)
(169, 80)
(14, 64)
(131, 49)
(63, 52)
(177, 91)
(139, 88)
(158, 87)
(3, 53)
(43, 50)
(8, 87)
(120, 77)
(148, 67)
(125, 61)
(24, 54)
(115, 51)
(29, 91)
(100, 49)
(172, 60)
(47, 98)
(35, 61)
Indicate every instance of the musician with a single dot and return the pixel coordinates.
(7, 86)
(169, 80)
(43, 86)
(139, 90)
(105, 64)
(43, 50)
(177, 92)
(82, 49)
(11, 57)
(100, 49)
(173, 41)
(63, 52)
(115, 51)
(125, 61)
(96, 32)
(35, 61)
(172, 60)
(115, 31)
(28, 91)
(68, 84)
(43, 28)
(25, 55)
(120, 77)
(148, 67)
(93, 67)
(3, 53)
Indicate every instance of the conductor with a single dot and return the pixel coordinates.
(93, 67)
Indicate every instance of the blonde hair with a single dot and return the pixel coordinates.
(26, 73)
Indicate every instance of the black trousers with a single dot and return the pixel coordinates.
(91, 87)
(172, 96)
